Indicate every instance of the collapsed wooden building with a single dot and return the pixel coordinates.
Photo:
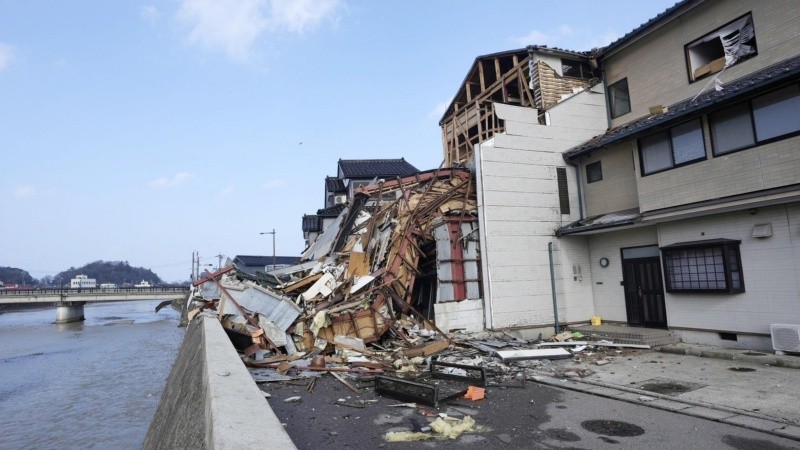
(396, 251)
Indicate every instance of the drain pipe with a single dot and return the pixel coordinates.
(553, 287)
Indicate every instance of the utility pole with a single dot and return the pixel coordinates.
(219, 261)
(273, 245)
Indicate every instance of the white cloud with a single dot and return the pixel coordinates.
(538, 37)
(233, 26)
(25, 191)
(176, 180)
(6, 55)
(438, 110)
(298, 15)
(150, 14)
(228, 190)
(273, 184)
(227, 25)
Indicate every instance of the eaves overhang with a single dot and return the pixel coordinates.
(773, 76)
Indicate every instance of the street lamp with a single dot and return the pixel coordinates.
(273, 245)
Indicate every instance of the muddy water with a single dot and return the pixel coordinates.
(94, 384)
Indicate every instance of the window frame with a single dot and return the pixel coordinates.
(729, 247)
(756, 142)
(668, 131)
(599, 170)
(611, 104)
(690, 72)
(583, 75)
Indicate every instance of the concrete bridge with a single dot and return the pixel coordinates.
(69, 302)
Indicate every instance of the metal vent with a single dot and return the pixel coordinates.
(563, 190)
(785, 337)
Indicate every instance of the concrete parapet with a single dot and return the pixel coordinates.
(211, 401)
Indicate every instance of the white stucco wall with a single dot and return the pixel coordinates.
(519, 212)
(770, 267)
(607, 290)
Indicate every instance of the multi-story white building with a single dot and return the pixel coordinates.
(663, 190)
(82, 281)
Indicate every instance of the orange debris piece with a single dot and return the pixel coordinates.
(475, 393)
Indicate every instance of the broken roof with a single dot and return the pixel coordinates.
(731, 91)
(371, 168)
(520, 53)
(601, 221)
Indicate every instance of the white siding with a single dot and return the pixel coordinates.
(770, 267)
(519, 213)
(608, 293)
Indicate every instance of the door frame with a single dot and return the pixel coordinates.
(628, 289)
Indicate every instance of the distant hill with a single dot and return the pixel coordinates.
(12, 275)
(118, 272)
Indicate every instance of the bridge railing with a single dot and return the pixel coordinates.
(67, 291)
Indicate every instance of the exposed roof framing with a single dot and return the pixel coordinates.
(515, 77)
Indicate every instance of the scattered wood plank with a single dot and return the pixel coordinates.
(426, 350)
(346, 383)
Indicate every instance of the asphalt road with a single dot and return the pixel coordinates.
(536, 416)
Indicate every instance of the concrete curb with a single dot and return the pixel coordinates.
(791, 362)
(237, 414)
(717, 413)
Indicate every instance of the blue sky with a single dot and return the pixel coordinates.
(144, 130)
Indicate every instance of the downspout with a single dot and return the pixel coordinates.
(553, 287)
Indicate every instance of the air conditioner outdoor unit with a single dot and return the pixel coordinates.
(340, 200)
(785, 338)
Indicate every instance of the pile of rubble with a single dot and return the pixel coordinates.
(357, 280)
(352, 306)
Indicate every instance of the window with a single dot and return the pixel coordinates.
(766, 118)
(618, 98)
(576, 69)
(680, 145)
(723, 47)
(705, 266)
(594, 172)
(563, 190)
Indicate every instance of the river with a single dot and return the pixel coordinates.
(91, 384)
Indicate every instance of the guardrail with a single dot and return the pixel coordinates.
(61, 291)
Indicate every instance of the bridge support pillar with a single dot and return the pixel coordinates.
(69, 312)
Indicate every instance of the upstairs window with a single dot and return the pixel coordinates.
(618, 98)
(576, 69)
(680, 145)
(704, 266)
(766, 118)
(723, 47)
(594, 172)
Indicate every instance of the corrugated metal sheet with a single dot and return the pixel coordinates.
(280, 310)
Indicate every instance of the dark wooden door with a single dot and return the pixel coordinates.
(644, 292)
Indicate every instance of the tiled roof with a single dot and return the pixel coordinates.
(311, 223)
(371, 168)
(731, 91)
(331, 211)
(333, 184)
(665, 16)
(261, 261)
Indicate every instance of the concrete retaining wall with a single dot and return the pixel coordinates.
(210, 400)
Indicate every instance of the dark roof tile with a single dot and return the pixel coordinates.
(371, 168)
(333, 184)
(331, 211)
